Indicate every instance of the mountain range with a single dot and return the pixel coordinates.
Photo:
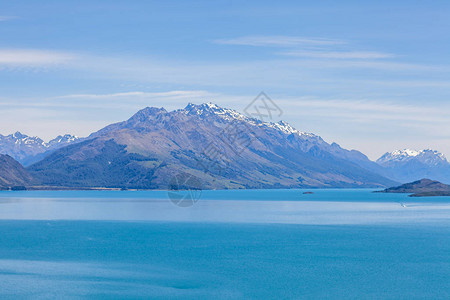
(30, 149)
(410, 165)
(219, 147)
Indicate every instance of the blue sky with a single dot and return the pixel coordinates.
(373, 76)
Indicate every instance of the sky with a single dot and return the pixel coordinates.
(370, 75)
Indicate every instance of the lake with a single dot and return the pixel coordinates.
(241, 244)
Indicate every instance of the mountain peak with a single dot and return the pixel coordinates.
(152, 110)
(406, 152)
(427, 156)
(211, 105)
(408, 165)
(146, 113)
(204, 107)
(210, 109)
(287, 128)
(28, 149)
(63, 139)
(18, 135)
(18, 138)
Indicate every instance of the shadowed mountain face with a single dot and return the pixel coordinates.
(219, 147)
(12, 173)
(409, 165)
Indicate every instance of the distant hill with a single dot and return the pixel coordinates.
(410, 165)
(30, 149)
(421, 188)
(12, 173)
(220, 147)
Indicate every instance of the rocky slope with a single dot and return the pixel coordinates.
(220, 147)
(12, 173)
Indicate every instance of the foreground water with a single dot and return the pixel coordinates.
(334, 244)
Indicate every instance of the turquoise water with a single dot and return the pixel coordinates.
(355, 195)
(335, 244)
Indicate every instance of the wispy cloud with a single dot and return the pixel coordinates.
(32, 57)
(278, 41)
(301, 67)
(268, 73)
(370, 110)
(296, 75)
(7, 18)
(320, 48)
(170, 94)
(338, 54)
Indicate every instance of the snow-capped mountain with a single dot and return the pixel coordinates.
(154, 143)
(308, 140)
(29, 149)
(230, 115)
(221, 147)
(62, 140)
(410, 165)
(428, 157)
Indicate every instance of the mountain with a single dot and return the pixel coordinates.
(27, 149)
(410, 165)
(12, 173)
(219, 147)
(62, 141)
(421, 188)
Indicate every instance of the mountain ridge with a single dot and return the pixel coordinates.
(400, 165)
(29, 149)
(154, 145)
(409, 165)
(12, 173)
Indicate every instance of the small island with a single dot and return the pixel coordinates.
(421, 188)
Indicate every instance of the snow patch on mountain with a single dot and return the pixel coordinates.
(62, 139)
(288, 129)
(207, 109)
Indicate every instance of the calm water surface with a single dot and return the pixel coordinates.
(264, 244)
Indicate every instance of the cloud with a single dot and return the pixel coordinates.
(170, 94)
(261, 74)
(278, 41)
(338, 55)
(119, 102)
(7, 18)
(309, 73)
(31, 57)
(319, 48)
(370, 110)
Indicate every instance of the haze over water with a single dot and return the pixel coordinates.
(231, 244)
